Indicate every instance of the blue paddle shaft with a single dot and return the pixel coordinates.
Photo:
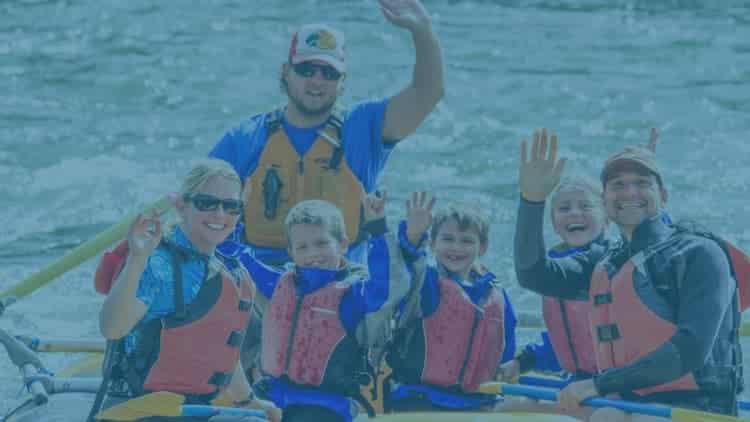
(202, 411)
(549, 394)
(542, 382)
(558, 383)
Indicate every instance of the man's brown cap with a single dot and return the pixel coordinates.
(632, 158)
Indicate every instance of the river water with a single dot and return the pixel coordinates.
(103, 105)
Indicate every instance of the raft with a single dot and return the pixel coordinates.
(76, 406)
(472, 417)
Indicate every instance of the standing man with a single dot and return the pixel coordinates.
(311, 149)
(664, 302)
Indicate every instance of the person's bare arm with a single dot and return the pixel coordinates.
(408, 109)
(122, 309)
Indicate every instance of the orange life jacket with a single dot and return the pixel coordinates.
(282, 179)
(630, 319)
(195, 350)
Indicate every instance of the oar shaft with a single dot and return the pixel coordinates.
(81, 253)
(542, 382)
(75, 385)
(63, 345)
(530, 324)
(558, 383)
(549, 394)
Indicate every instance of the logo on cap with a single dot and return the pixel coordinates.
(322, 39)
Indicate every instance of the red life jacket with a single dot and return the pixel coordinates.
(620, 313)
(310, 345)
(570, 333)
(463, 342)
(195, 350)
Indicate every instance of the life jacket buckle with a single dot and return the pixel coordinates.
(220, 379)
(607, 333)
(272, 185)
(602, 299)
(235, 339)
(246, 305)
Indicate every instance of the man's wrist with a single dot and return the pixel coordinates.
(533, 197)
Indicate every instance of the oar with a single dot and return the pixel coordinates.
(73, 258)
(66, 345)
(675, 413)
(27, 362)
(166, 404)
(558, 384)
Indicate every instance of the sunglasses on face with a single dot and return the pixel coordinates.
(206, 203)
(307, 70)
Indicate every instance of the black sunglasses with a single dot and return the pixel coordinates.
(205, 202)
(307, 70)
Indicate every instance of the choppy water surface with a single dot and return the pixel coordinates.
(104, 104)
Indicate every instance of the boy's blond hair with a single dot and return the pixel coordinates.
(316, 212)
(466, 216)
(203, 170)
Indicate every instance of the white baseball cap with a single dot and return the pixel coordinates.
(318, 42)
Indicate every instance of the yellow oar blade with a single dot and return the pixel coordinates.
(685, 415)
(491, 388)
(90, 366)
(161, 403)
(81, 253)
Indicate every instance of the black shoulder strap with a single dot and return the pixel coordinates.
(112, 354)
(180, 255)
(335, 121)
(273, 120)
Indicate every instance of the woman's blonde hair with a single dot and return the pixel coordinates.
(203, 170)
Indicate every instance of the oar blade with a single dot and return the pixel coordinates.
(686, 415)
(491, 388)
(161, 403)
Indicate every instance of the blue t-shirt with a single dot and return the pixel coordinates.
(156, 287)
(362, 140)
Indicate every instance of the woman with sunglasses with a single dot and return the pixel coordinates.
(175, 312)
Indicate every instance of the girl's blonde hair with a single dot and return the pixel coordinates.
(577, 184)
(203, 170)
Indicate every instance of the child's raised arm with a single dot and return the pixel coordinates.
(418, 215)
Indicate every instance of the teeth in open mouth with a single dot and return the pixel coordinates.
(576, 227)
(631, 204)
(215, 226)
